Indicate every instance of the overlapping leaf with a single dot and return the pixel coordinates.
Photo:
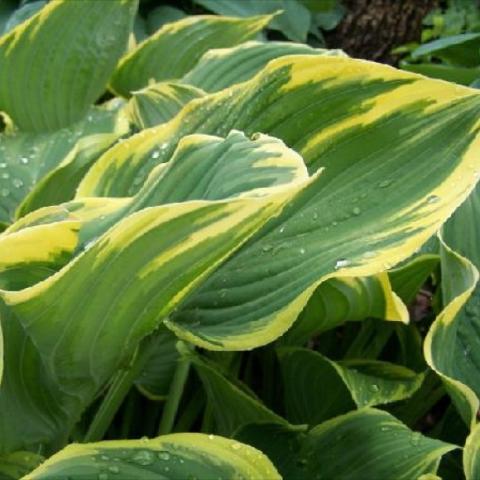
(189, 38)
(51, 85)
(137, 269)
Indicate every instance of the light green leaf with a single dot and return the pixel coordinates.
(176, 457)
(293, 22)
(471, 454)
(369, 443)
(234, 405)
(346, 299)
(222, 68)
(17, 464)
(27, 159)
(317, 388)
(159, 103)
(40, 98)
(189, 38)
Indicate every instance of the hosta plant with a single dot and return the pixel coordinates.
(223, 258)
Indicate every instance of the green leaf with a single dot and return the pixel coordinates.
(190, 38)
(29, 160)
(293, 22)
(349, 383)
(461, 75)
(176, 457)
(156, 377)
(78, 67)
(17, 464)
(450, 345)
(346, 299)
(461, 50)
(222, 68)
(266, 285)
(369, 443)
(23, 13)
(471, 454)
(161, 15)
(234, 405)
(148, 246)
(159, 103)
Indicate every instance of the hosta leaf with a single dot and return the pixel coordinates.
(369, 443)
(396, 120)
(233, 405)
(471, 454)
(161, 15)
(23, 13)
(176, 457)
(189, 38)
(450, 345)
(156, 377)
(26, 159)
(221, 68)
(60, 184)
(17, 464)
(208, 167)
(160, 102)
(39, 98)
(293, 22)
(149, 246)
(453, 342)
(317, 388)
(346, 299)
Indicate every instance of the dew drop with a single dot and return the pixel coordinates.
(211, 436)
(266, 248)
(104, 458)
(374, 388)
(3, 165)
(236, 446)
(143, 457)
(5, 192)
(155, 154)
(341, 263)
(17, 183)
(356, 211)
(385, 183)
(433, 199)
(282, 229)
(24, 160)
(114, 469)
(302, 251)
(315, 215)
(5, 175)
(369, 254)
(163, 456)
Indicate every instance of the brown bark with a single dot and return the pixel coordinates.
(372, 28)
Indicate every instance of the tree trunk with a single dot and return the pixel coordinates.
(372, 28)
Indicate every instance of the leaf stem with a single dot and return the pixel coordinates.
(176, 390)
